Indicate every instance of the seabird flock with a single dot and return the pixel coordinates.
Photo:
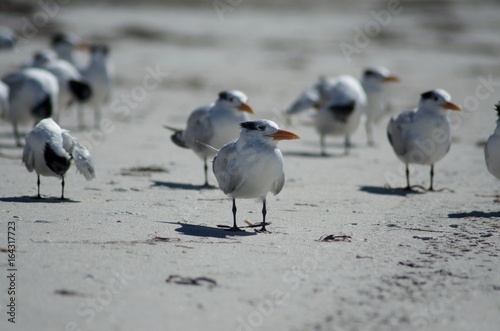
(247, 163)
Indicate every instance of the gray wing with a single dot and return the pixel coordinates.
(278, 185)
(397, 131)
(226, 169)
(199, 128)
(304, 101)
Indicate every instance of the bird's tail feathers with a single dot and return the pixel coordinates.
(177, 137)
(208, 146)
(83, 161)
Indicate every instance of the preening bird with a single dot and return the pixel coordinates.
(369, 97)
(423, 135)
(492, 148)
(252, 166)
(339, 102)
(339, 110)
(49, 151)
(32, 97)
(215, 125)
(373, 81)
(72, 86)
(98, 74)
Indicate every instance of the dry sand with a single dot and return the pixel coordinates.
(412, 262)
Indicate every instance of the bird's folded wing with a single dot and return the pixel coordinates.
(278, 185)
(228, 173)
(83, 161)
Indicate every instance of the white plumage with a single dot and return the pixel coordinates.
(49, 150)
(373, 81)
(422, 135)
(215, 125)
(98, 74)
(72, 87)
(33, 96)
(492, 148)
(252, 166)
(4, 99)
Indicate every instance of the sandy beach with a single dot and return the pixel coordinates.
(138, 248)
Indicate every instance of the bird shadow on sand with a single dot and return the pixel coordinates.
(32, 199)
(382, 190)
(181, 186)
(475, 213)
(196, 230)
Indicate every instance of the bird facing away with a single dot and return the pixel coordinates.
(492, 148)
(72, 87)
(252, 166)
(422, 135)
(49, 151)
(32, 97)
(215, 125)
(373, 81)
(339, 110)
(98, 74)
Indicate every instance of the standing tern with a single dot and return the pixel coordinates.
(8, 38)
(252, 166)
(215, 125)
(32, 97)
(422, 135)
(64, 44)
(373, 81)
(49, 151)
(98, 74)
(492, 148)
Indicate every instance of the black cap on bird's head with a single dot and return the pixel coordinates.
(497, 108)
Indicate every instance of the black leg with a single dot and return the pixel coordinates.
(205, 169)
(264, 212)
(407, 172)
(62, 188)
(322, 145)
(235, 227)
(431, 188)
(38, 184)
(347, 145)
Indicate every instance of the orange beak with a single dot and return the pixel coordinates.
(283, 135)
(451, 106)
(391, 79)
(245, 108)
(83, 46)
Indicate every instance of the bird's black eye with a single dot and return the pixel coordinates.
(230, 99)
(261, 128)
(435, 98)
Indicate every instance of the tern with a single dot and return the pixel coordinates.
(98, 74)
(32, 97)
(492, 148)
(64, 44)
(49, 151)
(423, 135)
(72, 87)
(215, 125)
(340, 92)
(373, 81)
(252, 166)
